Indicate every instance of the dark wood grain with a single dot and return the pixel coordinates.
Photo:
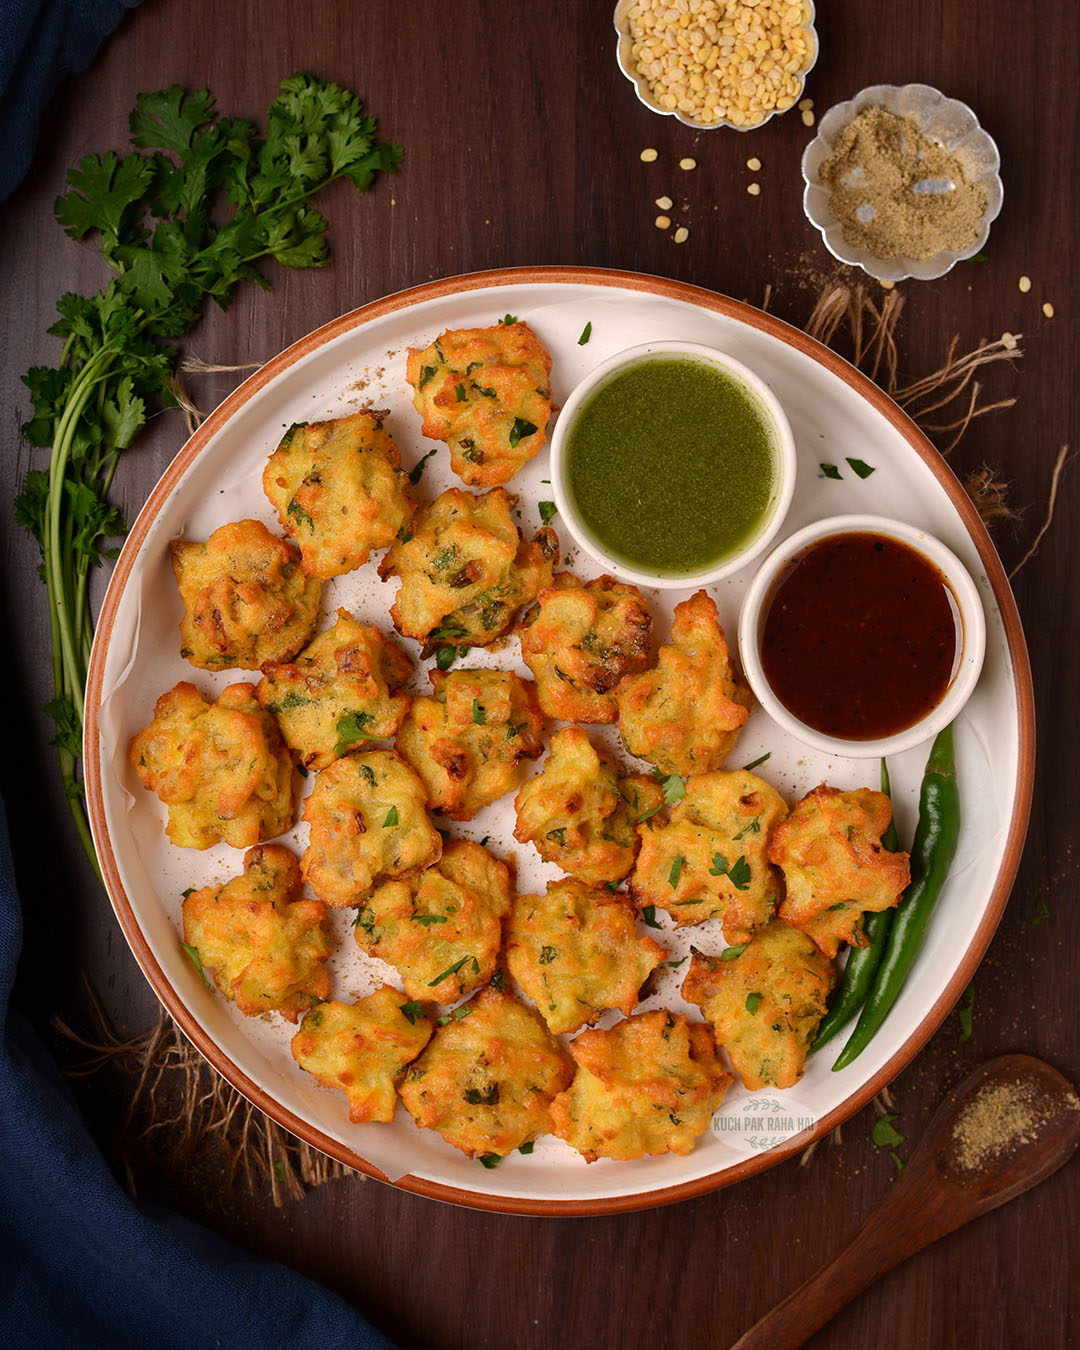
(522, 146)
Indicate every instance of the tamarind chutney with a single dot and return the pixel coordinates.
(860, 637)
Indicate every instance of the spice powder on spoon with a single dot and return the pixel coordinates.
(896, 193)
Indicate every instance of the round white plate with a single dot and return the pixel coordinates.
(359, 359)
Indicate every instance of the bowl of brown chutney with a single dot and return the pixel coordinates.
(862, 636)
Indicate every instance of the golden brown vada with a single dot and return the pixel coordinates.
(576, 952)
(765, 1000)
(339, 489)
(684, 714)
(835, 866)
(221, 768)
(363, 1049)
(469, 738)
(709, 858)
(368, 824)
(265, 947)
(579, 640)
(441, 929)
(649, 1085)
(486, 1080)
(245, 596)
(343, 691)
(486, 392)
(579, 815)
(466, 570)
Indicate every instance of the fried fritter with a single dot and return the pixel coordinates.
(221, 768)
(578, 814)
(441, 929)
(683, 715)
(486, 392)
(486, 1081)
(649, 1085)
(579, 641)
(265, 947)
(368, 824)
(765, 1003)
(709, 859)
(363, 1048)
(341, 692)
(468, 739)
(339, 489)
(576, 952)
(835, 865)
(466, 570)
(246, 599)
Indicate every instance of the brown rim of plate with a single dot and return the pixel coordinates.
(792, 337)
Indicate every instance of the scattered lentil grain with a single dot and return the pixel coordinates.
(1025, 284)
(754, 189)
(805, 103)
(688, 163)
(662, 222)
(1008, 341)
(887, 285)
(753, 164)
(682, 234)
(808, 118)
(1048, 310)
(664, 203)
(648, 155)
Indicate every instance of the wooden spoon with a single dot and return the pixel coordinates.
(959, 1171)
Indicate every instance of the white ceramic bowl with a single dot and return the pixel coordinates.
(945, 121)
(972, 634)
(783, 491)
(629, 67)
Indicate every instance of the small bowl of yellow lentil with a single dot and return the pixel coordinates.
(717, 63)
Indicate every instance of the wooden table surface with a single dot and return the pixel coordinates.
(522, 144)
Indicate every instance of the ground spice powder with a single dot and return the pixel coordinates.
(999, 1118)
(896, 193)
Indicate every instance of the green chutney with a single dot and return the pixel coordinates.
(672, 465)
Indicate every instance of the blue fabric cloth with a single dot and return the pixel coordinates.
(41, 42)
(84, 1265)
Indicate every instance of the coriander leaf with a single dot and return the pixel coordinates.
(733, 953)
(860, 467)
(453, 970)
(753, 1001)
(527, 1147)
(489, 1160)
(520, 429)
(509, 319)
(297, 512)
(416, 472)
(426, 920)
(753, 828)
(674, 787)
(68, 725)
(740, 873)
(648, 913)
(586, 334)
(547, 511)
(966, 1013)
(350, 729)
(482, 1097)
(676, 871)
(391, 818)
(1041, 914)
(446, 656)
(829, 471)
(192, 954)
(479, 716)
(760, 760)
(548, 954)
(411, 1011)
(885, 1134)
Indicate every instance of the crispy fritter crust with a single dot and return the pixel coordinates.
(246, 599)
(221, 768)
(363, 1049)
(577, 814)
(265, 947)
(441, 929)
(576, 952)
(580, 640)
(368, 824)
(339, 489)
(683, 715)
(469, 738)
(835, 865)
(649, 1085)
(486, 392)
(466, 570)
(350, 673)
(766, 1004)
(709, 858)
(486, 1081)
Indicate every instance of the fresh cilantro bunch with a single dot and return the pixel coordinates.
(187, 215)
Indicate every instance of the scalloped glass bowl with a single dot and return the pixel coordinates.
(946, 121)
(630, 69)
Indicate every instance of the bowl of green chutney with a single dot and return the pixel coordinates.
(672, 464)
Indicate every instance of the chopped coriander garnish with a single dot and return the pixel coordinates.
(194, 958)
(558, 835)
(300, 515)
(350, 729)
(446, 656)
(676, 964)
(391, 818)
(753, 828)
(527, 1146)
(860, 467)
(733, 953)
(190, 891)
(649, 915)
(417, 470)
(760, 760)
(428, 919)
(411, 1011)
(489, 1160)
(676, 871)
(674, 786)
(586, 334)
(547, 955)
(829, 471)
(479, 716)
(459, 393)
(1041, 914)
(509, 318)
(547, 511)
(476, 1097)
(886, 1135)
(966, 1013)
(752, 1002)
(453, 970)
(738, 873)
(520, 429)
